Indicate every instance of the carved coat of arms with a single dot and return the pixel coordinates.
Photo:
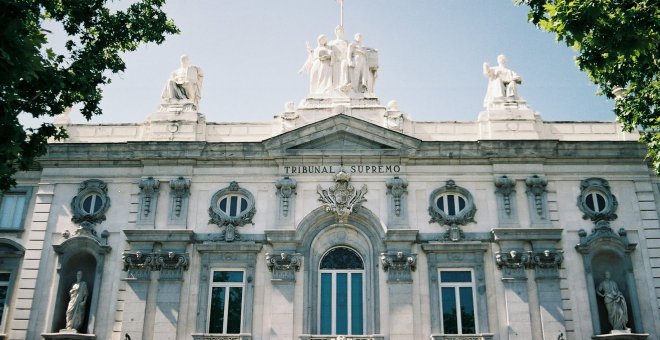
(342, 198)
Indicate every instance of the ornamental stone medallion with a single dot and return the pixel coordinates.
(90, 205)
(232, 207)
(342, 199)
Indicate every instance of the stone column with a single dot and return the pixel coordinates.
(167, 309)
(283, 267)
(546, 266)
(399, 267)
(135, 305)
(513, 263)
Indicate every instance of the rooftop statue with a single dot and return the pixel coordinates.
(183, 89)
(502, 83)
(363, 64)
(319, 66)
(339, 46)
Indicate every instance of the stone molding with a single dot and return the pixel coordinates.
(341, 199)
(526, 234)
(201, 336)
(284, 266)
(397, 188)
(604, 233)
(286, 191)
(537, 195)
(398, 266)
(149, 188)
(341, 337)
(482, 336)
(87, 220)
(221, 219)
(179, 194)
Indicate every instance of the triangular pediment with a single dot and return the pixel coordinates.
(341, 134)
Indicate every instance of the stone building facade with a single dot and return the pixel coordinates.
(339, 219)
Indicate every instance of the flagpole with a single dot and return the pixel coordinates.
(341, 12)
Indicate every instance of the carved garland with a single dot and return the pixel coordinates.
(396, 187)
(148, 189)
(180, 189)
(505, 186)
(286, 187)
(536, 186)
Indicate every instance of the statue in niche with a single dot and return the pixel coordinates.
(184, 86)
(502, 82)
(362, 64)
(319, 66)
(75, 311)
(339, 46)
(615, 303)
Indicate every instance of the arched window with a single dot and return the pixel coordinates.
(341, 292)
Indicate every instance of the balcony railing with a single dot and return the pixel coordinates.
(341, 337)
(205, 336)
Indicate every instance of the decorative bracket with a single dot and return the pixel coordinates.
(139, 265)
(342, 199)
(286, 189)
(397, 187)
(284, 265)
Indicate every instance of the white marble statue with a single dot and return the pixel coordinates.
(502, 82)
(615, 303)
(184, 87)
(362, 73)
(75, 311)
(339, 46)
(319, 66)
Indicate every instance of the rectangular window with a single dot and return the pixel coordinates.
(12, 209)
(226, 301)
(4, 290)
(457, 302)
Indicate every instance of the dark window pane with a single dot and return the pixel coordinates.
(441, 203)
(4, 277)
(228, 276)
(97, 204)
(451, 209)
(234, 310)
(232, 206)
(590, 202)
(341, 258)
(217, 315)
(357, 319)
(326, 303)
(601, 202)
(449, 316)
(455, 276)
(3, 299)
(223, 205)
(341, 313)
(467, 310)
(87, 204)
(244, 204)
(461, 203)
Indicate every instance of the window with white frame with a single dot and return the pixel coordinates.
(341, 292)
(457, 301)
(4, 292)
(451, 204)
(13, 207)
(226, 301)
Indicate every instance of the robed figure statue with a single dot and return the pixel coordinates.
(75, 311)
(615, 303)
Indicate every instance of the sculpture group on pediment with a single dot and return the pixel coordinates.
(502, 84)
(341, 67)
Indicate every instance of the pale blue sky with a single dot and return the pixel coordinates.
(431, 54)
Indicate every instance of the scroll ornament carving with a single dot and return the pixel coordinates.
(283, 262)
(149, 189)
(505, 186)
(286, 187)
(398, 261)
(537, 186)
(155, 261)
(342, 198)
(512, 260)
(396, 187)
(180, 189)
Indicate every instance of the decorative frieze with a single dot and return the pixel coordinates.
(399, 265)
(286, 191)
(284, 265)
(139, 265)
(149, 188)
(341, 199)
(179, 193)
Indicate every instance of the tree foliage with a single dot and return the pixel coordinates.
(36, 80)
(618, 44)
